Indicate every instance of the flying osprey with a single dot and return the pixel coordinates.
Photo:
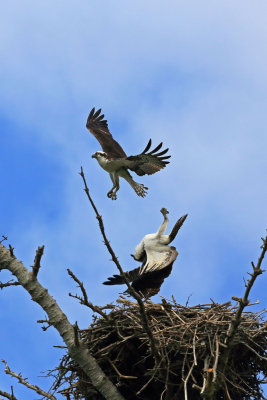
(157, 259)
(114, 160)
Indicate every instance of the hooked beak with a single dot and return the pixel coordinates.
(93, 156)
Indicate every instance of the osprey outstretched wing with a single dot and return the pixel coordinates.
(114, 160)
(147, 283)
(157, 260)
(99, 128)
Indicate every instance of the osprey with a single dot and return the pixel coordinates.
(114, 160)
(157, 259)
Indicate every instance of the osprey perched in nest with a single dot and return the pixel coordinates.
(157, 258)
(114, 160)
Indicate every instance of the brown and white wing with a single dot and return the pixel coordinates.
(118, 279)
(99, 128)
(153, 263)
(147, 163)
(157, 260)
(147, 282)
(176, 228)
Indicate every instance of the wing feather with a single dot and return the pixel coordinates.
(176, 227)
(149, 284)
(147, 146)
(146, 283)
(118, 279)
(148, 163)
(157, 260)
(163, 152)
(99, 128)
(163, 158)
(156, 149)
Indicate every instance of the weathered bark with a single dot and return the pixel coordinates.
(8, 395)
(59, 320)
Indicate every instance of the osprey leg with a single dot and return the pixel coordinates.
(139, 188)
(116, 185)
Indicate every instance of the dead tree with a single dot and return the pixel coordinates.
(142, 350)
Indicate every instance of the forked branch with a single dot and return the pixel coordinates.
(84, 301)
(9, 283)
(244, 301)
(24, 382)
(8, 395)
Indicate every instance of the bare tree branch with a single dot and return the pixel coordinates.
(4, 238)
(9, 283)
(44, 321)
(11, 249)
(84, 301)
(60, 321)
(36, 266)
(243, 302)
(8, 395)
(24, 382)
(143, 315)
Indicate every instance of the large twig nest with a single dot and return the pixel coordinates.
(191, 344)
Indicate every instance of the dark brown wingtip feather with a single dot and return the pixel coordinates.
(147, 146)
(177, 227)
(155, 149)
(114, 280)
(163, 158)
(163, 152)
(91, 113)
(97, 113)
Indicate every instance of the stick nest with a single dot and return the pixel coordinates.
(191, 345)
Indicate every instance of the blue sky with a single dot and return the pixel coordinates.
(190, 74)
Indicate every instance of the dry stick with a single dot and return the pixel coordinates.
(24, 382)
(227, 392)
(12, 393)
(144, 319)
(118, 372)
(254, 351)
(215, 365)
(9, 283)
(59, 320)
(85, 300)
(4, 238)
(11, 250)
(194, 347)
(186, 380)
(36, 266)
(7, 395)
(44, 321)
